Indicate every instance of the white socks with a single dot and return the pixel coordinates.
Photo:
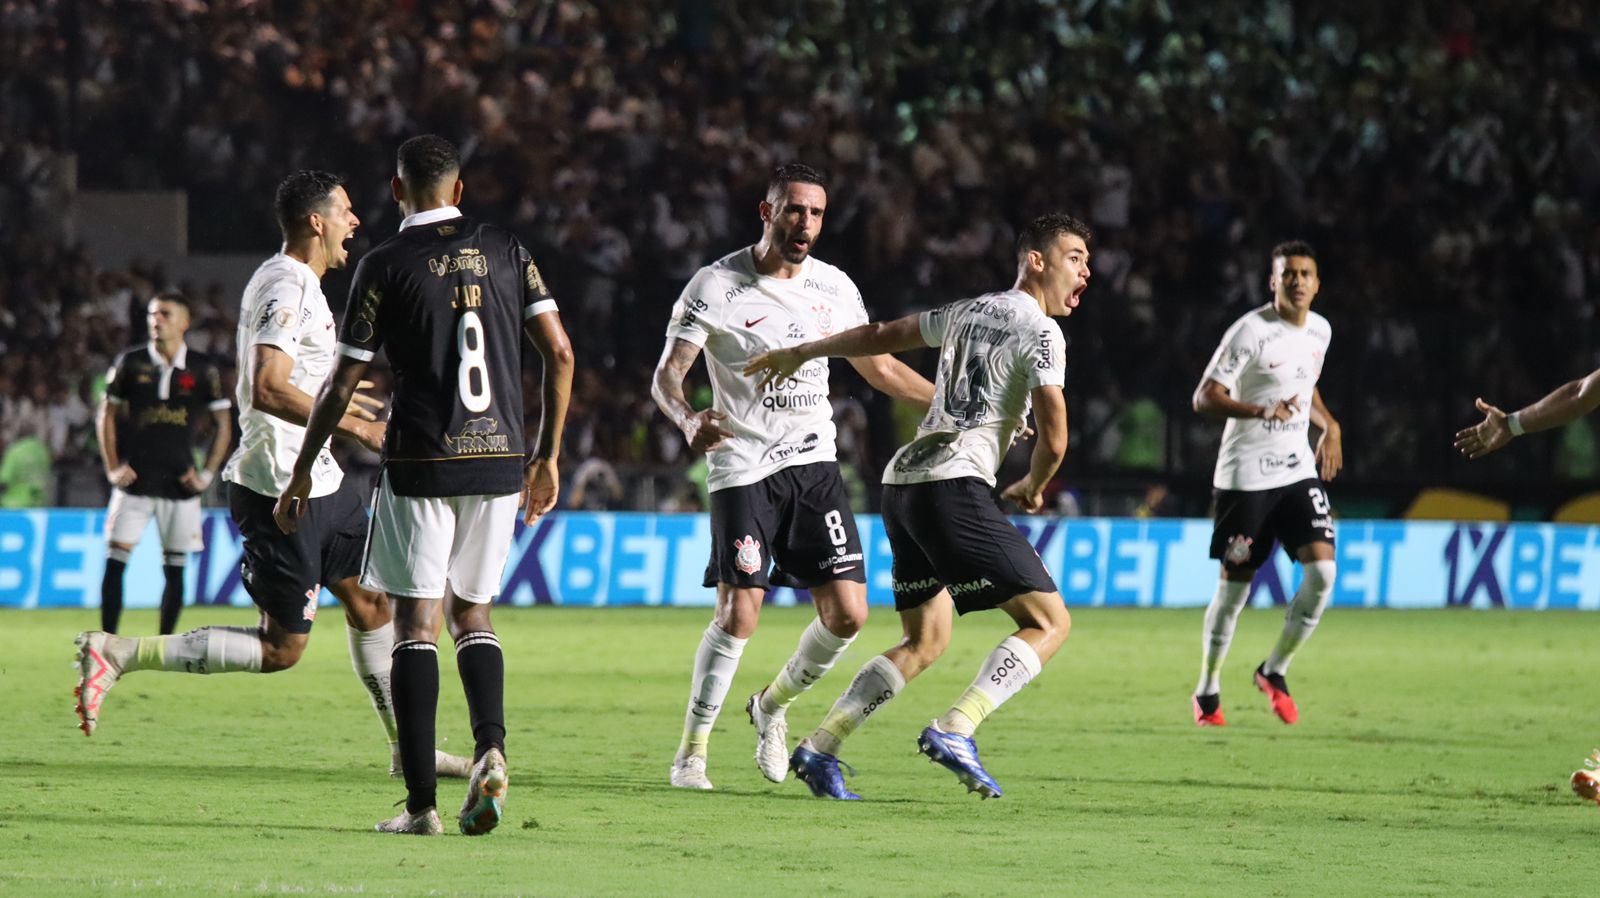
(370, 653)
(819, 649)
(1222, 615)
(207, 650)
(877, 682)
(1012, 665)
(715, 662)
(1304, 612)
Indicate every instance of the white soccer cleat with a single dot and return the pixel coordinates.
(1586, 782)
(98, 671)
(486, 795)
(772, 739)
(444, 764)
(689, 772)
(406, 823)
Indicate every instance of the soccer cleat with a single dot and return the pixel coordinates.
(1208, 710)
(689, 772)
(1586, 782)
(1277, 690)
(820, 771)
(444, 764)
(406, 823)
(97, 673)
(772, 739)
(959, 755)
(486, 795)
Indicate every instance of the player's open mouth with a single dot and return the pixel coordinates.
(799, 246)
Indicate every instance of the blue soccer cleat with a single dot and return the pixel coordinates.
(820, 771)
(959, 755)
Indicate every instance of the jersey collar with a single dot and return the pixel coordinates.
(178, 361)
(430, 216)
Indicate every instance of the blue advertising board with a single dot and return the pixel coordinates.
(54, 558)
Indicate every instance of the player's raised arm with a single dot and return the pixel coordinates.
(1563, 405)
(541, 480)
(666, 388)
(874, 339)
(1330, 446)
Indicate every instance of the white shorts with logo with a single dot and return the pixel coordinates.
(177, 520)
(418, 544)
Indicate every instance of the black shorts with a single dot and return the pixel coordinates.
(799, 518)
(950, 534)
(285, 572)
(1247, 521)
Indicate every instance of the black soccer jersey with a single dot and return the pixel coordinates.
(157, 408)
(446, 299)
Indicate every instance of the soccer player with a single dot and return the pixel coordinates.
(286, 348)
(447, 298)
(157, 393)
(776, 492)
(954, 552)
(1263, 380)
(1562, 406)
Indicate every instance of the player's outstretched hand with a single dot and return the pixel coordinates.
(1024, 496)
(771, 367)
(1330, 454)
(1487, 435)
(371, 435)
(122, 476)
(363, 406)
(294, 502)
(702, 431)
(1023, 435)
(1284, 410)
(541, 485)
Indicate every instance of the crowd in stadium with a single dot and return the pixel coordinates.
(628, 144)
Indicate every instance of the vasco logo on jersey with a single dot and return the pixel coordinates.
(793, 448)
(477, 436)
(824, 319)
(470, 260)
(747, 555)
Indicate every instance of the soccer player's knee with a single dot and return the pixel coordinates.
(1319, 575)
(845, 622)
(281, 656)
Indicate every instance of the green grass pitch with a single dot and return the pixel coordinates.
(1431, 759)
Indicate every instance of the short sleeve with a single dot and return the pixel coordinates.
(934, 322)
(277, 319)
(1237, 348)
(536, 298)
(1046, 357)
(116, 382)
(215, 399)
(360, 337)
(858, 306)
(689, 314)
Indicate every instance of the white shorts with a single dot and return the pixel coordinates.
(177, 520)
(417, 544)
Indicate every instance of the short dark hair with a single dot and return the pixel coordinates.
(427, 159)
(175, 297)
(1038, 234)
(1294, 248)
(792, 173)
(301, 194)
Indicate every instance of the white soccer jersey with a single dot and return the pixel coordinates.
(1262, 360)
(996, 349)
(735, 314)
(283, 307)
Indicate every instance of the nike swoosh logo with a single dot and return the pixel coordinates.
(841, 569)
(757, 321)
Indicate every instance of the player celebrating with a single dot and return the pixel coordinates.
(1562, 406)
(447, 297)
(156, 395)
(286, 348)
(1263, 380)
(776, 493)
(953, 550)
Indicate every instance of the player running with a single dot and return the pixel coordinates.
(286, 349)
(447, 298)
(776, 493)
(157, 393)
(1560, 407)
(954, 552)
(1263, 380)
